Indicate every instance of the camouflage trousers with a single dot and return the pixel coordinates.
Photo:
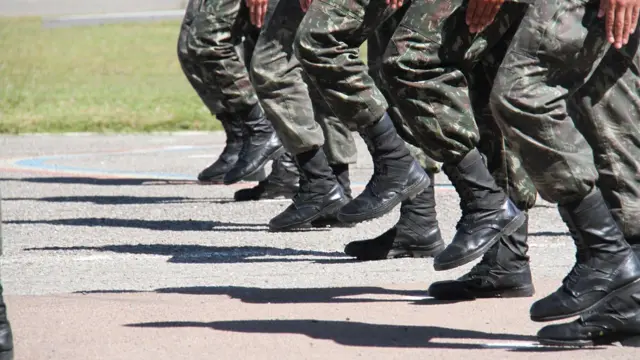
(569, 104)
(336, 69)
(328, 47)
(433, 98)
(606, 112)
(297, 109)
(298, 112)
(376, 46)
(503, 162)
(212, 37)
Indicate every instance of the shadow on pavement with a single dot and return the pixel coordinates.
(199, 254)
(361, 334)
(100, 181)
(125, 200)
(296, 296)
(254, 295)
(162, 225)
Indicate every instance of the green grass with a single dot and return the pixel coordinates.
(113, 78)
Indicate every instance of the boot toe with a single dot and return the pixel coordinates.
(283, 223)
(372, 204)
(208, 175)
(550, 308)
(331, 221)
(450, 290)
(451, 257)
(352, 209)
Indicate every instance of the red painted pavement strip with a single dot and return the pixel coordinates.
(392, 322)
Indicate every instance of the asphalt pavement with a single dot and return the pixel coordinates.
(112, 250)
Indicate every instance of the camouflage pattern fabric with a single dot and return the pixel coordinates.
(606, 111)
(550, 58)
(503, 162)
(441, 76)
(376, 46)
(299, 114)
(328, 47)
(211, 32)
(427, 65)
(210, 98)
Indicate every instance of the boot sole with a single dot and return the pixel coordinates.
(520, 292)
(508, 230)
(415, 252)
(332, 224)
(418, 252)
(258, 175)
(273, 155)
(626, 340)
(409, 192)
(7, 355)
(331, 208)
(596, 304)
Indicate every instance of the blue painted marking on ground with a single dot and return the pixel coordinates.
(41, 163)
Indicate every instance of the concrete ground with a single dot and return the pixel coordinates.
(113, 251)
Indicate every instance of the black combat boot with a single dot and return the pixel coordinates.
(503, 272)
(396, 175)
(605, 262)
(233, 129)
(282, 182)
(416, 234)
(6, 336)
(319, 194)
(261, 144)
(615, 320)
(487, 213)
(341, 172)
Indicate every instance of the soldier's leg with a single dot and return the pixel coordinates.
(282, 182)
(426, 67)
(504, 270)
(233, 128)
(416, 234)
(211, 41)
(279, 83)
(327, 46)
(607, 110)
(550, 57)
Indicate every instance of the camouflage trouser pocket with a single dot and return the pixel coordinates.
(567, 31)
